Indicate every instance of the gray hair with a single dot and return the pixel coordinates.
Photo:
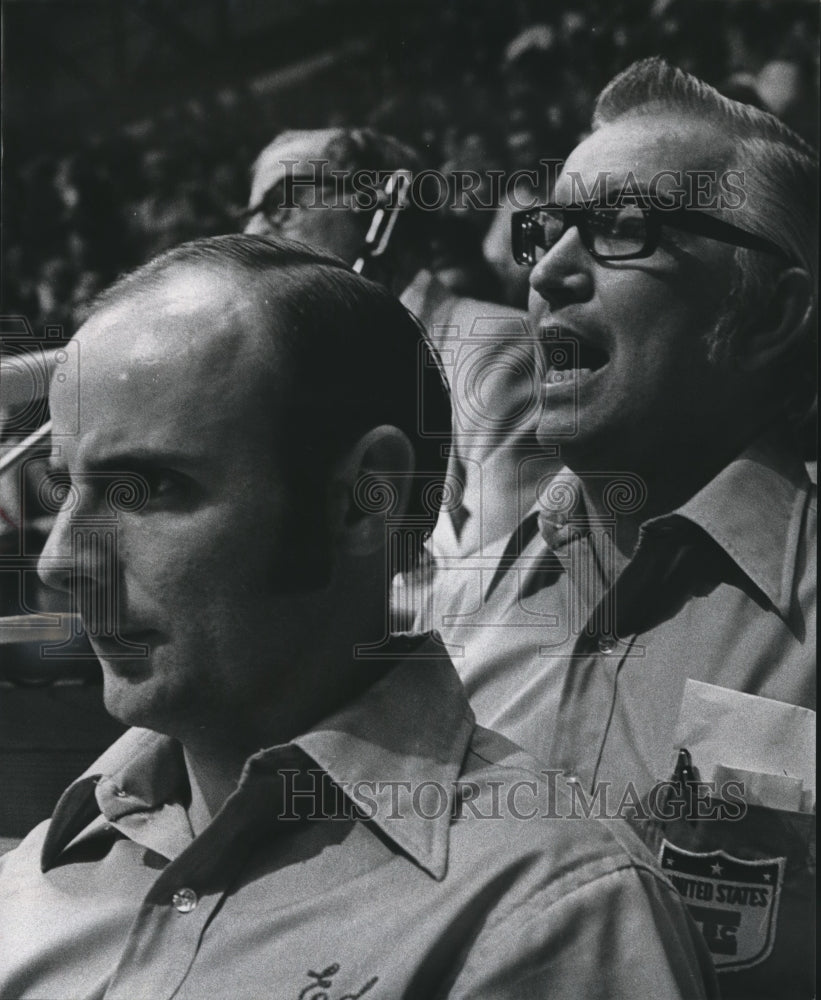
(780, 174)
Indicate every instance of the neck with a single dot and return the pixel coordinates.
(215, 764)
(320, 678)
(213, 776)
(668, 483)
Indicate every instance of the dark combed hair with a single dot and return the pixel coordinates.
(781, 185)
(345, 357)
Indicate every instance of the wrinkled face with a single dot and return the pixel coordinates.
(169, 397)
(641, 377)
(299, 200)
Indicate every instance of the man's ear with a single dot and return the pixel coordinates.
(371, 481)
(779, 326)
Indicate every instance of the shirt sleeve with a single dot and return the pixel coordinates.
(622, 936)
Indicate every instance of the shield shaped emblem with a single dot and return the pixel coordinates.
(734, 902)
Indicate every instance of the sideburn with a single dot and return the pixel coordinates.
(304, 562)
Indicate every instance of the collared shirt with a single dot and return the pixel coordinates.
(488, 354)
(434, 889)
(584, 666)
(582, 657)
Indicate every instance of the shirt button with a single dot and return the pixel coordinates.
(606, 644)
(185, 900)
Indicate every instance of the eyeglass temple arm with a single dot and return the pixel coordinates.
(708, 225)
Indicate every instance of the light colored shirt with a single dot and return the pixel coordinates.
(434, 889)
(584, 662)
(489, 357)
(588, 673)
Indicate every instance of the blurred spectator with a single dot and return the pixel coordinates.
(465, 83)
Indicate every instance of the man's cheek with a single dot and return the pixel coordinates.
(303, 560)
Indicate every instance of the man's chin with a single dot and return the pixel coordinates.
(133, 700)
(557, 430)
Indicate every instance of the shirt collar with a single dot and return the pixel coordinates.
(414, 725)
(754, 510)
(149, 765)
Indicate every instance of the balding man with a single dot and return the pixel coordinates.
(302, 806)
(324, 187)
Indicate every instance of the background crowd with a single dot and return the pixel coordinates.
(475, 85)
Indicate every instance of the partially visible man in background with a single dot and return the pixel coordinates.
(323, 188)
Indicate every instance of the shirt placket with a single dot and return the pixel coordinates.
(165, 938)
(585, 553)
(616, 617)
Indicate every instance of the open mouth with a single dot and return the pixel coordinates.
(575, 361)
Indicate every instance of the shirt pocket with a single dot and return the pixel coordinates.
(747, 874)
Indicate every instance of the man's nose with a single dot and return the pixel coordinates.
(54, 567)
(81, 557)
(564, 274)
(80, 547)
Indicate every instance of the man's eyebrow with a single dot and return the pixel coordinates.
(615, 188)
(619, 194)
(144, 458)
(287, 186)
(135, 460)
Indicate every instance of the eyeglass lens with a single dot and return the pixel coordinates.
(617, 231)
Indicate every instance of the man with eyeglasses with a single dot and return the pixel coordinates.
(654, 613)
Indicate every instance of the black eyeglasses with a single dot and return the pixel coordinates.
(620, 232)
(287, 196)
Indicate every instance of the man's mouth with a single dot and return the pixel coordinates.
(123, 645)
(574, 360)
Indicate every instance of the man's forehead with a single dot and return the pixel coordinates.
(167, 370)
(290, 154)
(190, 315)
(644, 146)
